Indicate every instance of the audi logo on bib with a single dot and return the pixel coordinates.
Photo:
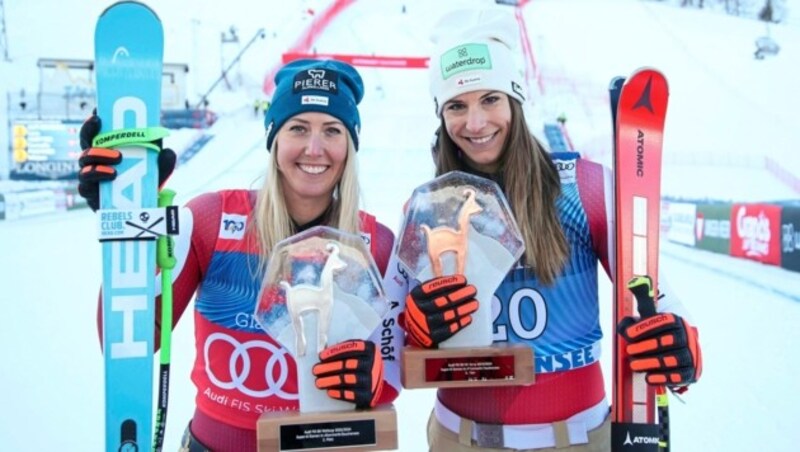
(255, 367)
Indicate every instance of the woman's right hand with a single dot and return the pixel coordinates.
(439, 308)
(97, 164)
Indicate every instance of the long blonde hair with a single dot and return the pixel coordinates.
(271, 219)
(531, 184)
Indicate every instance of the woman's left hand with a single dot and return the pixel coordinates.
(664, 345)
(351, 371)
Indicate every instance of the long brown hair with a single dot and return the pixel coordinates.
(531, 184)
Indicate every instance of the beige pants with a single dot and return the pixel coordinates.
(441, 439)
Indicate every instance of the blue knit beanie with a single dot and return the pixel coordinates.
(325, 86)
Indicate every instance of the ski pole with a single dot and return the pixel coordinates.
(647, 308)
(165, 258)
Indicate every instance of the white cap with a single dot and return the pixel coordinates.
(475, 50)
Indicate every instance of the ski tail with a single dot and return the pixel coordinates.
(639, 111)
(614, 90)
(127, 435)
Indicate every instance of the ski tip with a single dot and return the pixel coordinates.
(616, 82)
(649, 76)
(131, 3)
(646, 70)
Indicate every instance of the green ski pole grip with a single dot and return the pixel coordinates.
(165, 258)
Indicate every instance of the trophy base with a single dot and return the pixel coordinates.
(495, 365)
(357, 430)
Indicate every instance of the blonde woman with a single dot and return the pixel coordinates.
(226, 237)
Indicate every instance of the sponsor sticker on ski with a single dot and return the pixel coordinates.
(137, 224)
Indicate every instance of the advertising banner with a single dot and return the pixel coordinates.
(790, 238)
(29, 203)
(712, 227)
(756, 232)
(681, 222)
(44, 149)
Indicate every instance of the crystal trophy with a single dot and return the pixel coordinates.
(321, 288)
(459, 223)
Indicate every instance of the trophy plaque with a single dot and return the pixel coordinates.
(322, 287)
(461, 223)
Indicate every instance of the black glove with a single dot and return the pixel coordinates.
(351, 371)
(439, 308)
(97, 164)
(663, 345)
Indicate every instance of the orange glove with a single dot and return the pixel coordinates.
(351, 371)
(439, 308)
(663, 345)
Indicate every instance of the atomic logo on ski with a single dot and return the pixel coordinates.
(639, 440)
(628, 441)
(644, 100)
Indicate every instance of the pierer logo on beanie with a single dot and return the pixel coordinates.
(467, 57)
(316, 79)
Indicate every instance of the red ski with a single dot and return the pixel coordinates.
(640, 115)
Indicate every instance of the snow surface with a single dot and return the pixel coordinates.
(727, 112)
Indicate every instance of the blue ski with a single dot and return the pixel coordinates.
(129, 44)
(614, 91)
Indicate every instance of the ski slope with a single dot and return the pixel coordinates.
(727, 112)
